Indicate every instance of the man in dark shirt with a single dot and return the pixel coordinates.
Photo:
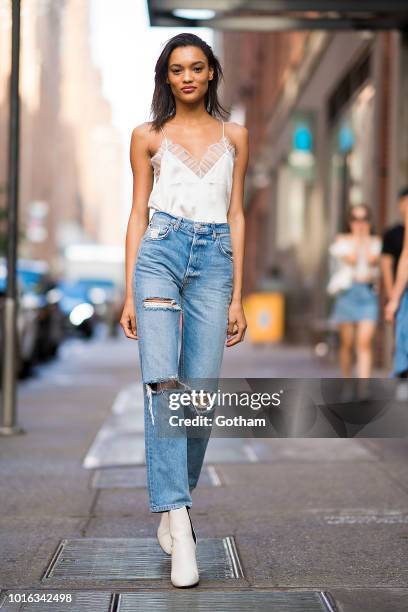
(393, 240)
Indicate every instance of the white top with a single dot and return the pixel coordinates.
(362, 271)
(199, 190)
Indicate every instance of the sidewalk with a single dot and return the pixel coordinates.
(296, 524)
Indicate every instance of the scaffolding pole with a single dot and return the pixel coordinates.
(8, 414)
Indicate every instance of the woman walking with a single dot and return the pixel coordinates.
(356, 306)
(184, 255)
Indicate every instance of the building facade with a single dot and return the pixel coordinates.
(71, 181)
(324, 111)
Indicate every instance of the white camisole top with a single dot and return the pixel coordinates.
(199, 190)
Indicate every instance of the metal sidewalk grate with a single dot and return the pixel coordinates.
(81, 601)
(137, 559)
(201, 601)
(133, 477)
(170, 601)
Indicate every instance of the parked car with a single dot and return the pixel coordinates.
(78, 310)
(106, 298)
(39, 284)
(40, 321)
(28, 325)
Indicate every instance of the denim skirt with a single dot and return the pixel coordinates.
(358, 303)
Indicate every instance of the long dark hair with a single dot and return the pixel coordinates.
(163, 105)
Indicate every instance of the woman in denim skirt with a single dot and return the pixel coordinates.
(184, 260)
(356, 307)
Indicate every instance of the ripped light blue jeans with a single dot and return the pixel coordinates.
(183, 278)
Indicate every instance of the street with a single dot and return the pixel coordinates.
(296, 524)
(243, 164)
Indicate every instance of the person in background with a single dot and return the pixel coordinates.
(393, 239)
(356, 306)
(398, 304)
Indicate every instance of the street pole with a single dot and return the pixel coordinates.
(8, 415)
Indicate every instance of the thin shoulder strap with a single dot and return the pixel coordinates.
(164, 134)
(223, 136)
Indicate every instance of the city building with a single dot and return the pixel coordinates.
(324, 111)
(70, 188)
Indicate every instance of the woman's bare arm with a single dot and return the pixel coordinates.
(387, 271)
(236, 220)
(138, 219)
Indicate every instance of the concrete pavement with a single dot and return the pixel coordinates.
(305, 515)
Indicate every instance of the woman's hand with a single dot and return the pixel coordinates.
(390, 310)
(128, 320)
(236, 319)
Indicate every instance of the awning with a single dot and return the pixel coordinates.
(280, 15)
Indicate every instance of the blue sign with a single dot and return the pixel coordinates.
(346, 138)
(302, 137)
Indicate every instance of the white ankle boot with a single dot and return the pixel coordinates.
(163, 533)
(184, 570)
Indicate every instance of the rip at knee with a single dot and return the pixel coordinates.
(161, 385)
(158, 303)
(165, 384)
(158, 386)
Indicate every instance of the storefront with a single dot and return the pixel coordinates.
(327, 158)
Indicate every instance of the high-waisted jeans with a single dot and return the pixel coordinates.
(182, 268)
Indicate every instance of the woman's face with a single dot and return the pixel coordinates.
(188, 73)
(359, 220)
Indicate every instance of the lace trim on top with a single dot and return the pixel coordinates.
(200, 167)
